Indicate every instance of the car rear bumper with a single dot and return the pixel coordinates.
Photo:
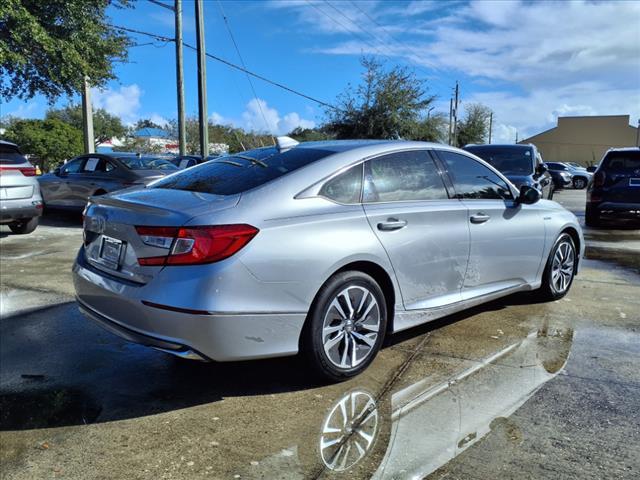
(20, 209)
(629, 210)
(218, 336)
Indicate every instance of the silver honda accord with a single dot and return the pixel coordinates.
(319, 247)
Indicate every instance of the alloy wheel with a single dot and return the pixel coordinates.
(351, 327)
(562, 267)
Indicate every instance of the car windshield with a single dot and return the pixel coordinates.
(147, 163)
(240, 172)
(626, 162)
(509, 160)
(10, 155)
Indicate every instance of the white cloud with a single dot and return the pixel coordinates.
(123, 102)
(24, 110)
(258, 116)
(535, 61)
(159, 120)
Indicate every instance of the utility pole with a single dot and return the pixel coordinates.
(182, 135)
(87, 118)
(202, 81)
(455, 118)
(450, 118)
(490, 126)
(516, 136)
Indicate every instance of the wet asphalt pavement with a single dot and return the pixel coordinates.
(512, 389)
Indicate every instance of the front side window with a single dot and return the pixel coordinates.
(346, 187)
(72, 166)
(403, 176)
(473, 180)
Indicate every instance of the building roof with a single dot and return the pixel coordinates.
(151, 132)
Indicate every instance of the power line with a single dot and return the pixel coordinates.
(380, 39)
(161, 4)
(235, 45)
(233, 65)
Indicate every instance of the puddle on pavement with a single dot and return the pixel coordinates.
(421, 424)
(46, 408)
(622, 258)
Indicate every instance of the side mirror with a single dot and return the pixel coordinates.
(56, 171)
(528, 195)
(541, 169)
(592, 168)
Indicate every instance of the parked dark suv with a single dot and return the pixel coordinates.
(614, 190)
(521, 164)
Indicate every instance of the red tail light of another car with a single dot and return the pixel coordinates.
(195, 245)
(599, 178)
(26, 171)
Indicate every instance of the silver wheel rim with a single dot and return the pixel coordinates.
(562, 267)
(579, 183)
(349, 431)
(351, 327)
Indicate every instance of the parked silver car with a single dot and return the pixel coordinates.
(70, 185)
(323, 247)
(20, 200)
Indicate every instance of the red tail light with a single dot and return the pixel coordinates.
(195, 245)
(599, 178)
(26, 171)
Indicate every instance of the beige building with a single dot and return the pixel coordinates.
(584, 139)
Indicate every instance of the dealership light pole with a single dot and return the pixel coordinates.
(182, 135)
(490, 126)
(202, 80)
(87, 118)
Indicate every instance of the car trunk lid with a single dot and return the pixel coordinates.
(113, 244)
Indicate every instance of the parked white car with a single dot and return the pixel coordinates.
(20, 200)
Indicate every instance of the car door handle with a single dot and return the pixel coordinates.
(392, 224)
(479, 217)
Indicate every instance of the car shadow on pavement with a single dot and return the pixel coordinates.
(60, 369)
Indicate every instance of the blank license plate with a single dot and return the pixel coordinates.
(634, 182)
(110, 252)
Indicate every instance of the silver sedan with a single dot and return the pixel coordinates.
(321, 247)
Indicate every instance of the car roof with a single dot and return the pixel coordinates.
(4, 142)
(623, 149)
(501, 145)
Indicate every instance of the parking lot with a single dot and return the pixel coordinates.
(514, 388)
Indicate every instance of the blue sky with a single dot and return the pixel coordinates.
(529, 62)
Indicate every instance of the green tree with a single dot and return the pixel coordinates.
(48, 46)
(146, 123)
(387, 104)
(309, 134)
(431, 129)
(51, 140)
(105, 125)
(474, 128)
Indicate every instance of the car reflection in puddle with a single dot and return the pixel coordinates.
(413, 430)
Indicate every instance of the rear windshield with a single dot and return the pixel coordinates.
(622, 161)
(10, 155)
(509, 160)
(240, 172)
(147, 163)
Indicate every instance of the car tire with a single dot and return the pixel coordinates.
(592, 217)
(579, 183)
(560, 269)
(345, 326)
(551, 192)
(24, 226)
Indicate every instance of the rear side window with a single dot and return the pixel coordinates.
(241, 172)
(346, 187)
(10, 155)
(403, 177)
(72, 166)
(623, 162)
(473, 180)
